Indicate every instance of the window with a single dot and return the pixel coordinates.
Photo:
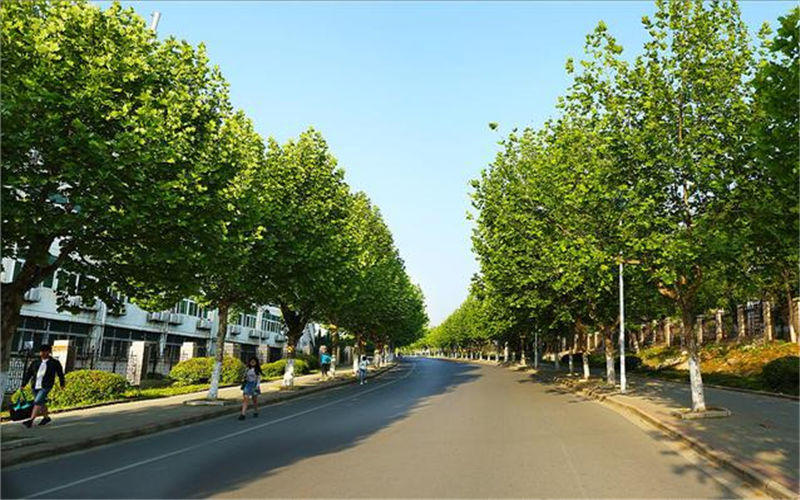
(190, 308)
(67, 282)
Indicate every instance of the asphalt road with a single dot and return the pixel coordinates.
(429, 429)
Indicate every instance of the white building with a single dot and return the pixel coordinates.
(101, 338)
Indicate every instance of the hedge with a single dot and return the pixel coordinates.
(311, 361)
(783, 374)
(198, 371)
(277, 368)
(86, 387)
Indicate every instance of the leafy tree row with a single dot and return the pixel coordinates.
(124, 153)
(680, 163)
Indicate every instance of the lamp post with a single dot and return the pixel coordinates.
(623, 382)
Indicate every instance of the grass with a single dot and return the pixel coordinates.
(729, 364)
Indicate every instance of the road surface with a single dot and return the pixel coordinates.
(428, 429)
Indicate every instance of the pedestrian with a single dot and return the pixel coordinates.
(324, 362)
(251, 387)
(362, 370)
(42, 374)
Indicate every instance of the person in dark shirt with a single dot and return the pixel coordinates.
(42, 375)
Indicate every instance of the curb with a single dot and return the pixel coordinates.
(724, 460)
(153, 428)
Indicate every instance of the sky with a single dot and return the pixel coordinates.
(403, 92)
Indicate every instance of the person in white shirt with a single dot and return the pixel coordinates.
(42, 373)
(362, 370)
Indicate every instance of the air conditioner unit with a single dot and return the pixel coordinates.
(157, 317)
(234, 329)
(174, 318)
(253, 333)
(280, 338)
(203, 324)
(33, 295)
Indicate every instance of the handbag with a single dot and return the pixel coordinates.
(22, 409)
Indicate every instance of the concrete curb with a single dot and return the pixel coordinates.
(722, 459)
(153, 428)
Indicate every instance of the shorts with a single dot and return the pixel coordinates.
(40, 397)
(251, 389)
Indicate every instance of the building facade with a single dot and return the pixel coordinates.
(101, 338)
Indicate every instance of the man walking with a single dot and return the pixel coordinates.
(42, 373)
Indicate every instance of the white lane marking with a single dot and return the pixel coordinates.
(215, 440)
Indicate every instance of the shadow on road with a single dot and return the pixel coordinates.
(329, 431)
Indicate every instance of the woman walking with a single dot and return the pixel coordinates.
(251, 386)
(362, 370)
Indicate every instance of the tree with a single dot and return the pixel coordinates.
(104, 153)
(771, 193)
(304, 256)
(224, 269)
(683, 152)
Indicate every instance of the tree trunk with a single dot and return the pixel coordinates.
(695, 377)
(558, 353)
(719, 334)
(766, 308)
(505, 353)
(700, 329)
(522, 359)
(334, 349)
(635, 340)
(741, 323)
(608, 343)
(668, 331)
(536, 350)
(571, 354)
(793, 324)
(219, 353)
(12, 300)
(295, 323)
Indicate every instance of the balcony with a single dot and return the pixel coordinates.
(174, 319)
(203, 324)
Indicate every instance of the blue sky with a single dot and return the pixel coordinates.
(403, 92)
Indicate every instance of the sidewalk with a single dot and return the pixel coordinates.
(81, 429)
(759, 441)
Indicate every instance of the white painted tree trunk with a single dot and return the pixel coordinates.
(505, 353)
(608, 345)
(536, 351)
(571, 364)
(288, 374)
(557, 354)
(585, 357)
(695, 377)
(668, 332)
(718, 325)
(332, 369)
(213, 391)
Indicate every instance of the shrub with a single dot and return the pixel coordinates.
(783, 374)
(277, 368)
(232, 370)
(85, 387)
(198, 371)
(192, 371)
(311, 361)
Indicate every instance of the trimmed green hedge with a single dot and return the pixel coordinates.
(277, 368)
(86, 387)
(198, 371)
(783, 374)
(311, 361)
